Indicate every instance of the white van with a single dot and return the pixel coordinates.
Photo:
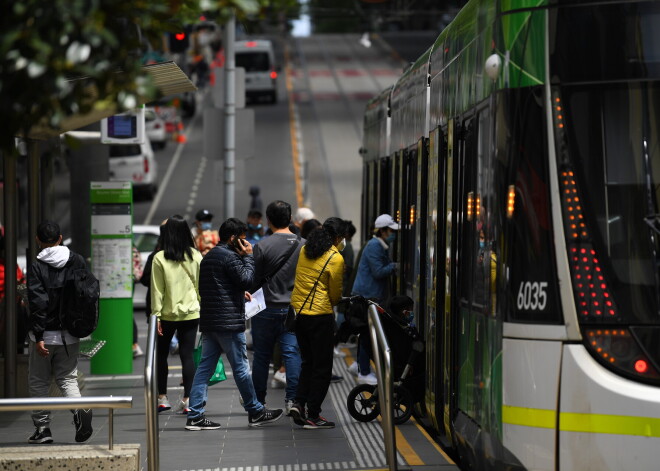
(256, 56)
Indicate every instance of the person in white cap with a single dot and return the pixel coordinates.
(373, 273)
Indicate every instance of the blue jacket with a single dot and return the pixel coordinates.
(224, 276)
(373, 271)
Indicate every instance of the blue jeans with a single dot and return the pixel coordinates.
(267, 328)
(364, 353)
(213, 344)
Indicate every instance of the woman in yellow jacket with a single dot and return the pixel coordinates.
(174, 299)
(317, 288)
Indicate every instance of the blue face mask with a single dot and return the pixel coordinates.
(409, 316)
(206, 226)
(254, 228)
(482, 244)
(391, 238)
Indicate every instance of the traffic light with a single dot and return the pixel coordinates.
(179, 42)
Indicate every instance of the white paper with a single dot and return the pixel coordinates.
(258, 304)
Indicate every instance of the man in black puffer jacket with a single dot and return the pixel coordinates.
(226, 273)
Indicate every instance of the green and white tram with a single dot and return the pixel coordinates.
(521, 156)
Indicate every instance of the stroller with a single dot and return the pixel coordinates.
(406, 347)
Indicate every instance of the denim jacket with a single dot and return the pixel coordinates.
(373, 271)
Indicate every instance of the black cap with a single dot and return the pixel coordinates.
(203, 215)
(48, 232)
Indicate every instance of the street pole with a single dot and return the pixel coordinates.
(10, 271)
(34, 205)
(230, 118)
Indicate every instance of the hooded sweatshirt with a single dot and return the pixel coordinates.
(41, 290)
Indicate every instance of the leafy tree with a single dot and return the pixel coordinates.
(44, 45)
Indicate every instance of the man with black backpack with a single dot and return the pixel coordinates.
(54, 283)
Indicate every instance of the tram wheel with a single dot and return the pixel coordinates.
(362, 403)
(403, 405)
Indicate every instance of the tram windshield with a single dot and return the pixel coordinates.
(612, 136)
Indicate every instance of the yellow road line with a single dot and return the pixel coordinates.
(292, 127)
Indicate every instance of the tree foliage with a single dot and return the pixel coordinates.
(44, 45)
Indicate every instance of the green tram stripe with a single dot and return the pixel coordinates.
(582, 423)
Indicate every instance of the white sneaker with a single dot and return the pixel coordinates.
(137, 351)
(280, 376)
(182, 407)
(353, 369)
(163, 404)
(339, 353)
(367, 379)
(275, 384)
(287, 407)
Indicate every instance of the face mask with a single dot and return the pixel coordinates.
(206, 226)
(342, 245)
(255, 228)
(482, 244)
(391, 238)
(411, 317)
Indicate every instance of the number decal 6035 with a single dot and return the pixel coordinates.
(532, 295)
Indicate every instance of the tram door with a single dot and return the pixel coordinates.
(434, 278)
(419, 232)
(409, 233)
(398, 188)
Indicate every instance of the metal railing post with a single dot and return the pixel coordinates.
(383, 361)
(150, 395)
(111, 428)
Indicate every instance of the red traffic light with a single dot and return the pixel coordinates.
(180, 36)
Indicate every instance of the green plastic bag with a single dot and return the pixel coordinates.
(219, 374)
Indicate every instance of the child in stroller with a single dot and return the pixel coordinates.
(406, 346)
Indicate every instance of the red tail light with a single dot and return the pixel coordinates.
(250, 44)
(618, 349)
(273, 74)
(146, 165)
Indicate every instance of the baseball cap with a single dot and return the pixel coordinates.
(203, 214)
(385, 220)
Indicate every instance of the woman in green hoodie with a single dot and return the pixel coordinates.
(175, 300)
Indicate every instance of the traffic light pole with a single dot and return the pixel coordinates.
(230, 118)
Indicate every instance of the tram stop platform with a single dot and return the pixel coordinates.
(281, 446)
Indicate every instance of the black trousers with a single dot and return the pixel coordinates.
(315, 336)
(186, 333)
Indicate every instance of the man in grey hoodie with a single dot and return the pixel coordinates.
(53, 351)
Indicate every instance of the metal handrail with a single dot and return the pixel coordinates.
(383, 360)
(150, 397)
(61, 403)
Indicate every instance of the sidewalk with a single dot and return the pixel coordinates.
(281, 446)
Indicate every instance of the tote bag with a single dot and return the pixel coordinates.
(219, 373)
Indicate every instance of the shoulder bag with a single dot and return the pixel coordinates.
(292, 315)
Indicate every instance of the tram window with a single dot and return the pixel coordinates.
(531, 293)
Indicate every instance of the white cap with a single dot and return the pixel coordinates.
(385, 220)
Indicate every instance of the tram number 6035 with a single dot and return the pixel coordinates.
(532, 296)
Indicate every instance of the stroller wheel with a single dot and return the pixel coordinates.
(403, 405)
(362, 403)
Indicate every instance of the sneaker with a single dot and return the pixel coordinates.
(265, 417)
(288, 405)
(297, 413)
(318, 422)
(137, 351)
(367, 379)
(163, 404)
(182, 407)
(353, 369)
(41, 435)
(82, 420)
(280, 376)
(336, 379)
(201, 423)
(339, 353)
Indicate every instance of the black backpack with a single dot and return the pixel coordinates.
(79, 308)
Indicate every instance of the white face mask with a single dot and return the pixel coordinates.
(341, 245)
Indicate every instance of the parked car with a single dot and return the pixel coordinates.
(258, 59)
(135, 163)
(155, 128)
(145, 239)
